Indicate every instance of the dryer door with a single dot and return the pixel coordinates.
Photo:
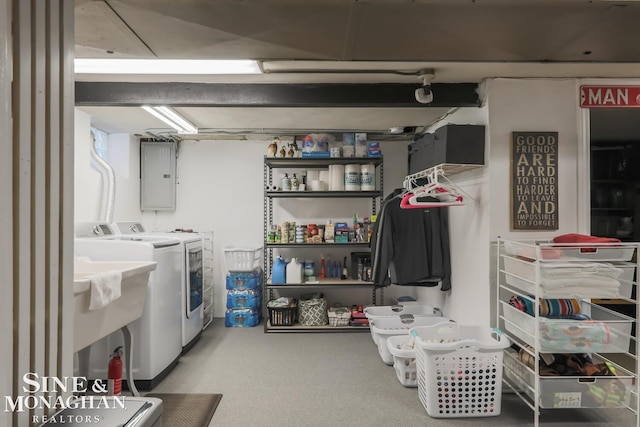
(194, 272)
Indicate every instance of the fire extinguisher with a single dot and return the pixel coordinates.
(114, 381)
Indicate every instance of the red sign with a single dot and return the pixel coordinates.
(610, 96)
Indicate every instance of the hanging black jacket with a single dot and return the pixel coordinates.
(410, 245)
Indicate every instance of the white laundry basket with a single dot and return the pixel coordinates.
(404, 359)
(459, 369)
(389, 311)
(375, 311)
(385, 327)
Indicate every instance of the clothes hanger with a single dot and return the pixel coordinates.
(447, 194)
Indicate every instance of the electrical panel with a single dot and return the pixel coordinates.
(157, 176)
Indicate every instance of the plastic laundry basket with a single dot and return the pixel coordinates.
(385, 327)
(390, 311)
(404, 359)
(375, 312)
(459, 369)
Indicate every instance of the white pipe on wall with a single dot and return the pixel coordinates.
(108, 195)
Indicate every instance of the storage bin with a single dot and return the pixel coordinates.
(523, 275)
(241, 318)
(244, 299)
(244, 280)
(550, 251)
(283, 316)
(375, 312)
(339, 316)
(312, 311)
(606, 332)
(242, 258)
(571, 391)
(459, 369)
(385, 327)
(404, 360)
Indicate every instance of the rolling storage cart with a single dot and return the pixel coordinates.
(548, 304)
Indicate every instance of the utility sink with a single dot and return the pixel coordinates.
(90, 326)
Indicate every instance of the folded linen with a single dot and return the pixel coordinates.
(593, 282)
(582, 292)
(105, 288)
(581, 270)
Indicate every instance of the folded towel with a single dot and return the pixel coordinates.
(582, 292)
(575, 270)
(105, 288)
(594, 282)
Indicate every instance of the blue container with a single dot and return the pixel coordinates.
(244, 280)
(244, 299)
(278, 271)
(241, 318)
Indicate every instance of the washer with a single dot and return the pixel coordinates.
(157, 335)
(192, 244)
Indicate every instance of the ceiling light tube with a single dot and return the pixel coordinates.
(166, 66)
(171, 118)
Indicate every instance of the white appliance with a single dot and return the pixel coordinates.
(192, 275)
(157, 335)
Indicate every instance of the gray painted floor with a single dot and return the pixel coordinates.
(327, 379)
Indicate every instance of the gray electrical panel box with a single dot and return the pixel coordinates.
(157, 176)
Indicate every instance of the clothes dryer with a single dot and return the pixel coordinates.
(192, 276)
(157, 335)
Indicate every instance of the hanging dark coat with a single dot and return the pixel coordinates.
(410, 246)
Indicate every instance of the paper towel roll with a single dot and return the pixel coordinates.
(313, 175)
(352, 178)
(368, 177)
(336, 178)
(324, 177)
(316, 185)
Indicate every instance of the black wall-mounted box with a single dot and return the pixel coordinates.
(457, 144)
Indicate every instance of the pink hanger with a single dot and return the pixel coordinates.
(409, 201)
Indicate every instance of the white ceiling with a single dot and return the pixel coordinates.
(356, 41)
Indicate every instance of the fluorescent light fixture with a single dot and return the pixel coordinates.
(166, 66)
(171, 118)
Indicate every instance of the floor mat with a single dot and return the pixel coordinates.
(187, 409)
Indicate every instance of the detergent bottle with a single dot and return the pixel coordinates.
(294, 272)
(278, 271)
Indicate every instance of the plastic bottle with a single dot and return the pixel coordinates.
(323, 267)
(286, 183)
(294, 272)
(295, 184)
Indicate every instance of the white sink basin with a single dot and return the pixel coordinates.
(91, 326)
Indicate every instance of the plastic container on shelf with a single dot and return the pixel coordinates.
(242, 258)
(375, 312)
(283, 315)
(404, 360)
(571, 391)
(459, 369)
(607, 331)
(385, 327)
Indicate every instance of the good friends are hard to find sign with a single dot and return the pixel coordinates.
(534, 181)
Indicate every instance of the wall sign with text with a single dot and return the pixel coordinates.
(534, 181)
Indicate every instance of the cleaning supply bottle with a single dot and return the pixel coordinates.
(278, 271)
(294, 272)
(323, 267)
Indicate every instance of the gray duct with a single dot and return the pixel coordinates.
(108, 194)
